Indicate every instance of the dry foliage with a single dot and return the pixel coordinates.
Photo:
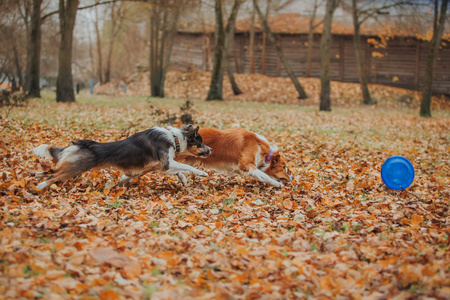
(261, 88)
(335, 232)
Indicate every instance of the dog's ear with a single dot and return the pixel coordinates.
(196, 130)
(276, 157)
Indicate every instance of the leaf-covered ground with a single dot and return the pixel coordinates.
(261, 88)
(335, 232)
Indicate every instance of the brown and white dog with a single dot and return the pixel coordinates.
(239, 150)
(150, 150)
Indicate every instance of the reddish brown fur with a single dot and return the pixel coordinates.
(238, 147)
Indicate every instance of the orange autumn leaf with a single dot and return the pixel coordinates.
(404, 221)
(242, 251)
(287, 203)
(335, 231)
(109, 295)
(132, 270)
(416, 220)
(327, 283)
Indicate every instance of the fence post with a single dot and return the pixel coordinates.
(91, 85)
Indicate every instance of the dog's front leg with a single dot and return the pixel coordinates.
(182, 178)
(263, 177)
(176, 167)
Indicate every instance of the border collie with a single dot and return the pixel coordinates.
(239, 150)
(150, 150)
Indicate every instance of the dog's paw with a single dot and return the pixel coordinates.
(124, 179)
(42, 185)
(182, 178)
(201, 173)
(278, 184)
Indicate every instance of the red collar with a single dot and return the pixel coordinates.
(177, 143)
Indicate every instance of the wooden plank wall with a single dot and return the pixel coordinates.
(401, 63)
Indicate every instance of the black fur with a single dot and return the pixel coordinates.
(134, 152)
(145, 151)
(55, 152)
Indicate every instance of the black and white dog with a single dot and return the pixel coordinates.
(150, 150)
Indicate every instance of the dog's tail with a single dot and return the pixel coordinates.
(46, 151)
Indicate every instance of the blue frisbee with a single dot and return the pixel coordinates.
(397, 173)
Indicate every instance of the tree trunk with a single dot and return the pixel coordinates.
(310, 41)
(362, 70)
(17, 64)
(155, 68)
(116, 23)
(251, 47)
(99, 49)
(91, 52)
(264, 39)
(64, 82)
(34, 89)
(110, 45)
(168, 51)
(228, 44)
(163, 22)
(325, 45)
(215, 88)
(26, 20)
(301, 92)
(438, 29)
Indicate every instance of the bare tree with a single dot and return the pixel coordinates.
(325, 45)
(117, 17)
(35, 55)
(301, 92)
(215, 87)
(99, 47)
(163, 19)
(312, 26)
(438, 29)
(229, 38)
(361, 12)
(25, 10)
(64, 82)
(11, 52)
(251, 48)
(363, 76)
(264, 38)
(274, 6)
(222, 51)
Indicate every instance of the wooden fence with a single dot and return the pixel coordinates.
(400, 63)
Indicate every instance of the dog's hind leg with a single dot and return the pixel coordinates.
(67, 169)
(39, 175)
(124, 179)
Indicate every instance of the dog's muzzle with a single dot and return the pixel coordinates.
(206, 151)
(291, 177)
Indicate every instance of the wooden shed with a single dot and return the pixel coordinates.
(399, 61)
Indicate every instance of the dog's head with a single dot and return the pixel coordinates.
(278, 168)
(194, 141)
